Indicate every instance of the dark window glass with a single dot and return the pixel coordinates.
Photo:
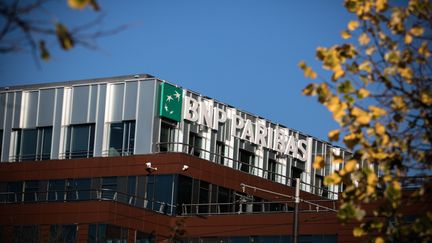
(195, 144)
(220, 151)
(271, 175)
(80, 142)
(184, 192)
(31, 191)
(166, 137)
(63, 233)
(91, 238)
(108, 233)
(142, 237)
(246, 159)
(224, 199)
(25, 234)
(109, 187)
(122, 138)
(16, 191)
(34, 144)
(78, 189)
(56, 190)
(204, 197)
(163, 193)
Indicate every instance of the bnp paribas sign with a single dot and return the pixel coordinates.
(173, 106)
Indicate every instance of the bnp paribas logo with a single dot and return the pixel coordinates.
(171, 100)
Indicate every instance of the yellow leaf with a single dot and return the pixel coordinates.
(372, 179)
(338, 73)
(417, 31)
(379, 129)
(64, 37)
(336, 107)
(334, 135)
(377, 112)
(406, 73)
(365, 66)
(345, 34)
(379, 240)
(370, 50)
(78, 4)
(332, 179)
(351, 140)
(350, 165)
(363, 93)
(308, 72)
(363, 39)
(385, 140)
(358, 232)
(426, 97)
(424, 50)
(362, 117)
(396, 185)
(318, 163)
(309, 90)
(381, 5)
(408, 39)
(398, 103)
(337, 161)
(392, 57)
(352, 25)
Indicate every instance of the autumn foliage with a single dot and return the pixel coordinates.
(379, 91)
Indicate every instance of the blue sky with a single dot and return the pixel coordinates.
(244, 52)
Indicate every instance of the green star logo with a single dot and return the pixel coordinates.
(171, 100)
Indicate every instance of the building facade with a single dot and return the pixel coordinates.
(137, 159)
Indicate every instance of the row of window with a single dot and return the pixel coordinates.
(170, 194)
(68, 234)
(35, 144)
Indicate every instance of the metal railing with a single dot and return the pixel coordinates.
(87, 195)
(248, 207)
(29, 157)
(243, 166)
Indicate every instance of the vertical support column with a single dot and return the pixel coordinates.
(296, 212)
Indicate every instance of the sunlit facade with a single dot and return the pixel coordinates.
(164, 151)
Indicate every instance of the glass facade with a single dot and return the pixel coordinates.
(166, 137)
(80, 141)
(25, 234)
(122, 138)
(33, 144)
(107, 233)
(63, 233)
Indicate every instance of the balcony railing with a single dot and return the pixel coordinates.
(87, 195)
(245, 167)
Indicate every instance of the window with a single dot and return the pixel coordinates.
(220, 151)
(80, 141)
(33, 144)
(144, 238)
(78, 189)
(166, 137)
(31, 190)
(107, 233)
(16, 191)
(25, 234)
(204, 197)
(195, 143)
(272, 166)
(63, 233)
(109, 187)
(122, 138)
(56, 190)
(246, 160)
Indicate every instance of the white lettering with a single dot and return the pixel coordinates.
(248, 132)
(219, 116)
(206, 114)
(191, 109)
(261, 133)
(302, 144)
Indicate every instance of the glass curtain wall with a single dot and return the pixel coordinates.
(80, 141)
(33, 144)
(122, 138)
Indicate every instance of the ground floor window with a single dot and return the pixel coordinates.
(63, 233)
(107, 233)
(25, 234)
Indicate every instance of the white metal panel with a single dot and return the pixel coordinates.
(80, 103)
(116, 102)
(8, 126)
(17, 110)
(146, 112)
(93, 104)
(46, 107)
(29, 109)
(130, 98)
(2, 110)
(57, 122)
(100, 117)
